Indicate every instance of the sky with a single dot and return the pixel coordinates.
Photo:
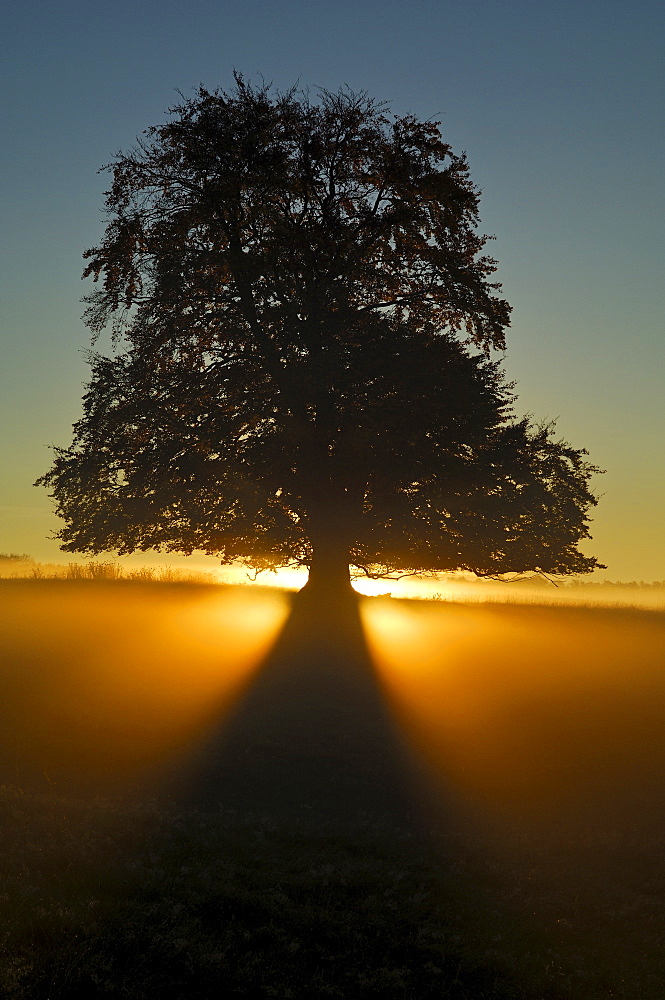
(558, 106)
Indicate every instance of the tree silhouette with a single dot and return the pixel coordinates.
(303, 317)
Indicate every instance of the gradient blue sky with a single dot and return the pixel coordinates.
(559, 107)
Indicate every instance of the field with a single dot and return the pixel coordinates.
(217, 790)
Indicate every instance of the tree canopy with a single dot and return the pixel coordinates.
(303, 317)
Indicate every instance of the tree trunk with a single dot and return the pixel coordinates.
(329, 580)
(329, 532)
(329, 569)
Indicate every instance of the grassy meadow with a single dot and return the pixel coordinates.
(212, 790)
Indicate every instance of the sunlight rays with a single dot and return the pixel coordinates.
(518, 708)
(109, 681)
(525, 709)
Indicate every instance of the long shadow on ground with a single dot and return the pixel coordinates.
(289, 857)
(312, 736)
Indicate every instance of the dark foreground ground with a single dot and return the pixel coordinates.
(296, 846)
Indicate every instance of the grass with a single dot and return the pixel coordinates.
(450, 587)
(114, 901)
(14, 566)
(114, 890)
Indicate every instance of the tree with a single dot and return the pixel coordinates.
(304, 317)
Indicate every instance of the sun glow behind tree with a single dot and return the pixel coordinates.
(304, 315)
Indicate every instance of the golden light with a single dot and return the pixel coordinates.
(372, 588)
(110, 680)
(524, 708)
(286, 578)
(417, 655)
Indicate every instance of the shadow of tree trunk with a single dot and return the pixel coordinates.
(312, 736)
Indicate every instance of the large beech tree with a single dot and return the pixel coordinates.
(303, 317)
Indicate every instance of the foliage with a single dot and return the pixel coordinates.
(305, 315)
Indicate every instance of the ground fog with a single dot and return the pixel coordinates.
(212, 788)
